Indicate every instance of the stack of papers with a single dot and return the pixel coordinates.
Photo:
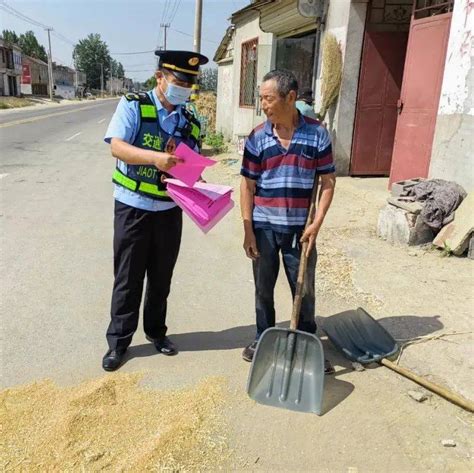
(205, 204)
(193, 166)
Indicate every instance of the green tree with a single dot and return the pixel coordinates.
(117, 69)
(150, 83)
(120, 71)
(29, 45)
(89, 55)
(10, 37)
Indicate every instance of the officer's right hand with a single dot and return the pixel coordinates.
(165, 161)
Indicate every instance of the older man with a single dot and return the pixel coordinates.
(282, 158)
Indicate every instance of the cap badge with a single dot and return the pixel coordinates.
(194, 61)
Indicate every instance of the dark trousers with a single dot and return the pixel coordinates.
(144, 243)
(265, 271)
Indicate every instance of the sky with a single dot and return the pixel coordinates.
(125, 25)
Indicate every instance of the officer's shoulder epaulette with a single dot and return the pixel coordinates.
(131, 96)
(190, 115)
(145, 99)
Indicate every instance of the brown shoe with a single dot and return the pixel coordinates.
(249, 351)
(328, 368)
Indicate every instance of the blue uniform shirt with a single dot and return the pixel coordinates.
(124, 125)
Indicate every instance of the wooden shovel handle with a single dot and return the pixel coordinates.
(295, 314)
(440, 390)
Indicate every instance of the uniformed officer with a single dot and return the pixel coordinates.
(143, 134)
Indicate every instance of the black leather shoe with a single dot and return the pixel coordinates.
(113, 359)
(166, 346)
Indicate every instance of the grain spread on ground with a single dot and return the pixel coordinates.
(114, 424)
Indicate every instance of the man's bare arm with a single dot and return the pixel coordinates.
(326, 194)
(247, 192)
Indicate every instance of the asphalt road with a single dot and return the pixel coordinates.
(56, 222)
(12, 117)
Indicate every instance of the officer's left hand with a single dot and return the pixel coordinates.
(170, 146)
(310, 235)
(165, 161)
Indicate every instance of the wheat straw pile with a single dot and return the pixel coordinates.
(112, 424)
(331, 73)
(206, 104)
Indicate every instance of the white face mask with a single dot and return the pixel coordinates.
(176, 94)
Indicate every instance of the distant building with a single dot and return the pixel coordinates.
(64, 81)
(127, 84)
(34, 77)
(10, 68)
(119, 86)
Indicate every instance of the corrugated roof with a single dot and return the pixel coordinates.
(222, 48)
(255, 5)
(284, 19)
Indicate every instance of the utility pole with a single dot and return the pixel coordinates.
(111, 76)
(101, 80)
(76, 84)
(165, 26)
(50, 65)
(197, 26)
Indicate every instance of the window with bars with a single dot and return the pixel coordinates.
(248, 73)
(426, 8)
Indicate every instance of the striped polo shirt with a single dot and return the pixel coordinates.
(284, 178)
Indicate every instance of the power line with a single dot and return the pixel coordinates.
(187, 34)
(174, 11)
(141, 65)
(165, 10)
(135, 52)
(63, 38)
(139, 70)
(8, 9)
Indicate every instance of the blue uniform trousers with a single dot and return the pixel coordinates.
(145, 243)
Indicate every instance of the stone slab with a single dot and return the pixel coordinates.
(457, 234)
(409, 206)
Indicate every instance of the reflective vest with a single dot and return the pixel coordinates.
(143, 179)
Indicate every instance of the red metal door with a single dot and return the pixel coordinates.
(376, 114)
(419, 100)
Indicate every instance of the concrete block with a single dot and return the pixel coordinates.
(400, 186)
(398, 226)
(409, 206)
(457, 235)
(470, 251)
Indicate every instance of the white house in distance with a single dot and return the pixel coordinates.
(388, 120)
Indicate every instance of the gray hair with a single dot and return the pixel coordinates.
(285, 81)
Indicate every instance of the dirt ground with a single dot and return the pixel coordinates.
(57, 275)
(414, 292)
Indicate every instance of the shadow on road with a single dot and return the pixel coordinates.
(335, 390)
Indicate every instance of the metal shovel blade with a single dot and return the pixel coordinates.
(359, 336)
(288, 371)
